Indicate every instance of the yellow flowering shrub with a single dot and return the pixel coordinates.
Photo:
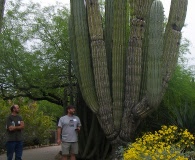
(167, 143)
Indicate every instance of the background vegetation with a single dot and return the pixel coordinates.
(39, 126)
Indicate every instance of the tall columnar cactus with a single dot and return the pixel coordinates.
(123, 68)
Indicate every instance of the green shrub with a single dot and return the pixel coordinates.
(37, 125)
(37, 129)
(169, 143)
(4, 111)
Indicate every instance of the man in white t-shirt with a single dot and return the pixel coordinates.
(67, 133)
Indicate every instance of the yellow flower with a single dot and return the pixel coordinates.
(160, 145)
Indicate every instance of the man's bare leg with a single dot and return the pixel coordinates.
(72, 157)
(64, 157)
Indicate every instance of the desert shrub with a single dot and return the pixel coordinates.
(170, 143)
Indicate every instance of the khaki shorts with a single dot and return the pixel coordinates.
(69, 148)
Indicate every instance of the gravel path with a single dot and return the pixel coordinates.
(44, 153)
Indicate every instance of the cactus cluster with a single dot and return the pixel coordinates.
(123, 65)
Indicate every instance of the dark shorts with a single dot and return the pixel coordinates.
(69, 148)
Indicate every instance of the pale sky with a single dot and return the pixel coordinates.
(188, 31)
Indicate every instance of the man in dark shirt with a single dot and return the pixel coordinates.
(14, 127)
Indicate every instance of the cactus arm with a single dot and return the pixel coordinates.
(133, 75)
(170, 53)
(118, 58)
(83, 54)
(140, 8)
(73, 47)
(100, 68)
(155, 51)
(134, 55)
(134, 52)
(177, 14)
(172, 37)
(109, 9)
(143, 88)
(134, 63)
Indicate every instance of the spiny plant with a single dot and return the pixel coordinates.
(123, 69)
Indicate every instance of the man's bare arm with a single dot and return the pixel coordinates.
(59, 130)
(13, 128)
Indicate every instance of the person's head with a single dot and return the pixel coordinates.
(70, 110)
(15, 109)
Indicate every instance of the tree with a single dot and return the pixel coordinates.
(123, 79)
(35, 59)
(2, 7)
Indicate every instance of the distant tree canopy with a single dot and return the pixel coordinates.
(35, 55)
(2, 7)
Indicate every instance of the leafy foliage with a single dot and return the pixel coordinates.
(35, 119)
(180, 99)
(3, 112)
(2, 6)
(38, 126)
(35, 54)
(181, 88)
(50, 109)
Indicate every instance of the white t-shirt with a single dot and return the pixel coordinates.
(68, 125)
